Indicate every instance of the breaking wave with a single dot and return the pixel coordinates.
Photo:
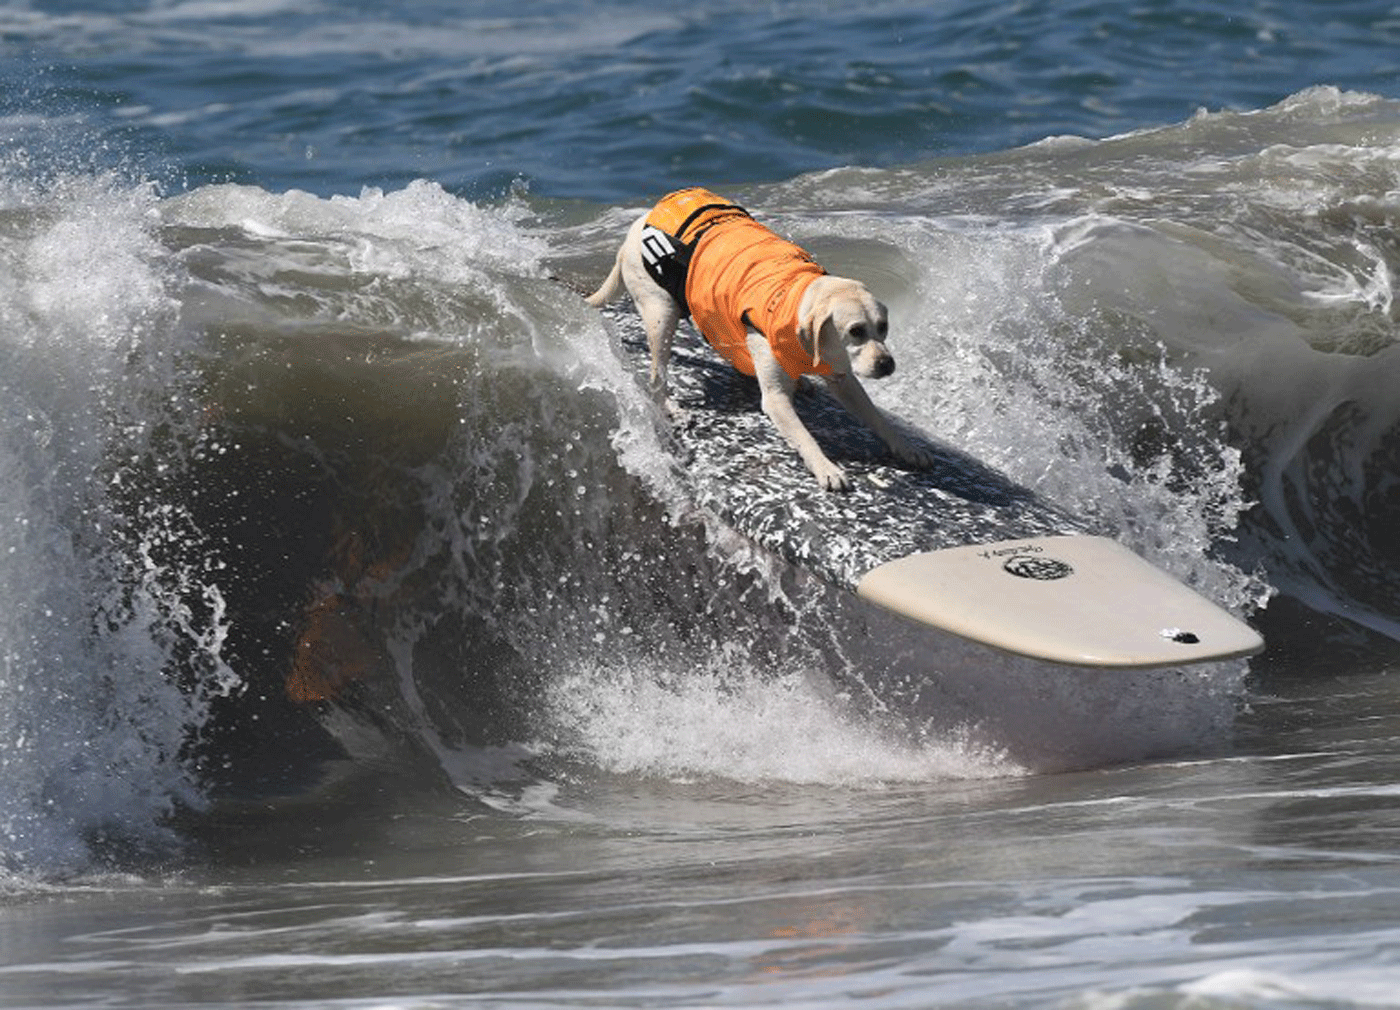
(271, 462)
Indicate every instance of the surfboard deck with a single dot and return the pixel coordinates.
(958, 547)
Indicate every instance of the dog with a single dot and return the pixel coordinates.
(765, 306)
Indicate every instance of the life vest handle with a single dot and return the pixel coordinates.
(703, 209)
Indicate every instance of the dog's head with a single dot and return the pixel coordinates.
(842, 324)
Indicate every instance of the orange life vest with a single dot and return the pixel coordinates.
(729, 272)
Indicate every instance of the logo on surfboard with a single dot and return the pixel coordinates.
(1028, 566)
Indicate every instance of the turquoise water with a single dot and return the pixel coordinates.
(289, 381)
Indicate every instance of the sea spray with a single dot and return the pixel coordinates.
(110, 644)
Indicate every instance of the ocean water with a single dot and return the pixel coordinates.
(362, 643)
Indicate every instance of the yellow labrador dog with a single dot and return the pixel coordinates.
(765, 306)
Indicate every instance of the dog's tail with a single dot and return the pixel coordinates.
(612, 287)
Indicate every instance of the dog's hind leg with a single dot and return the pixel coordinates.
(660, 315)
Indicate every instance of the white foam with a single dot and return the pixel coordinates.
(418, 230)
(728, 720)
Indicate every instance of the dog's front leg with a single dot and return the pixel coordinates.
(852, 395)
(776, 388)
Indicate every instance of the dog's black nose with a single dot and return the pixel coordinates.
(884, 367)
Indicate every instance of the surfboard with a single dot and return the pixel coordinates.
(957, 547)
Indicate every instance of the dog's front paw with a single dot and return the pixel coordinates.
(832, 478)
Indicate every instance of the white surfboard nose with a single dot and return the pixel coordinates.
(1079, 600)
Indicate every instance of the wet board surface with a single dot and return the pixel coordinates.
(957, 546)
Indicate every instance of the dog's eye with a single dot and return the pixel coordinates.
(858, 333)
(882, 328)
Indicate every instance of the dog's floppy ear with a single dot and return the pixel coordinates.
(809, 328)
